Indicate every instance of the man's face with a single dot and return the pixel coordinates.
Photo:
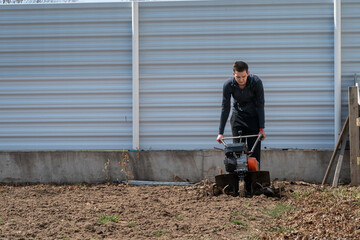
(241, 77)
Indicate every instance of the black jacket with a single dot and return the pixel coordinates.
(248, 102)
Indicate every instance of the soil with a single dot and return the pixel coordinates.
(108, 211)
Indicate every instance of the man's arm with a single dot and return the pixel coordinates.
(225, 108)
(260, 106)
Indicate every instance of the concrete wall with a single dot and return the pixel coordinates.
(98, 166)
(304, 165)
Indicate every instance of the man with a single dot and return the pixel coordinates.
(248, 106)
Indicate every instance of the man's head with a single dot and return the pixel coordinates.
(240, 72)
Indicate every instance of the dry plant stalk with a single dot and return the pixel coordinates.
(124, 164)
(106, 170)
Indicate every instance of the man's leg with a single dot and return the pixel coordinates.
(257, 150)
(253, 129)
(236, 127)
(235, 133)
(247, 127)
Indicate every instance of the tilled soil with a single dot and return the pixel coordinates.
(106, 211)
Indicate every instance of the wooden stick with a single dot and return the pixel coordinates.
(335, 150)
(354, 136)
(340, 160)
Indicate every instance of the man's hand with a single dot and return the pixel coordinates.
(220, 136)
(262, 131)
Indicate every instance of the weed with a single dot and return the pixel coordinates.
(158, 233)
(297, 195)
(106, 170)
(341, 193)
(131, 223)
(104, 218)
(251, 218)
(282, 230)
(237, 222)
(301, 195)
(356, 194)
(180, 218)
(252, 236)
(244, 214)
(279, 210)
(64, 238)
(124, 164)
(1, 220)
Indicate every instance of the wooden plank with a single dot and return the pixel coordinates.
(354, 136)
(340, 160)
(336, 149)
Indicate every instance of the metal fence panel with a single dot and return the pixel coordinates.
(186, 53)
(350, 41)
(65, 76)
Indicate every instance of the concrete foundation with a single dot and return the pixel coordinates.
(176, 165)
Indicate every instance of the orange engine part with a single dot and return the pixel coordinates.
(253, 164)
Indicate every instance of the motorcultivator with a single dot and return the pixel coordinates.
(244, 177)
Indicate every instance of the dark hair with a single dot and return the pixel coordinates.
(240, 66)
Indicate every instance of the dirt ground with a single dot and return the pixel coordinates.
(122, 211)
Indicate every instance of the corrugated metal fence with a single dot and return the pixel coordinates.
(350, 47)
(66, 72)
(186, 54)
(65, 75)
